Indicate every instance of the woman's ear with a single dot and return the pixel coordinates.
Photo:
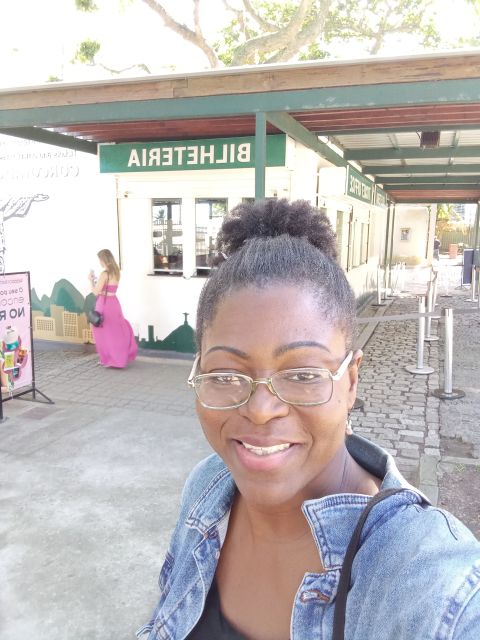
(357, 357)
(353, 375)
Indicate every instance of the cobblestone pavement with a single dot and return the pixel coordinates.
(436, 443)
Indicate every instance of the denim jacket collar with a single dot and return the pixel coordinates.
(332, 519)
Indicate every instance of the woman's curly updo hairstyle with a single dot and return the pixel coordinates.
(279, 242)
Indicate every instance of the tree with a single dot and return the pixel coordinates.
(269, 31)
(446, 219)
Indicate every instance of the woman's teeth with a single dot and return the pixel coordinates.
(266, 451)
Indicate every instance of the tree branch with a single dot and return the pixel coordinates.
(264, 24)
(245, 53)
(195, 37)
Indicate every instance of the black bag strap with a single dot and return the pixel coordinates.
(346, 572)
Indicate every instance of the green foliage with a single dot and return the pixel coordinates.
(87, 51)
(86, 5)
(53, 79)
(314, 52)
(368, 22)
(446, 218)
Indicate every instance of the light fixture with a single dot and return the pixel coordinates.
(429, 139)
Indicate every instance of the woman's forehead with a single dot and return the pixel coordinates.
(273, 317)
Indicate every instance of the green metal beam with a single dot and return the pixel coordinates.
(382, 170)
(297, 131)
(384, 153)
(430, 180)
(50, 137)
(463, 91)
(426, 186)
(407, 128)
(260, 155)
(437, 200)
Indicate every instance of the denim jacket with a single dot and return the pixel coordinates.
(415, 576)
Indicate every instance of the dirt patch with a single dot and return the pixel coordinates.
(459, 488)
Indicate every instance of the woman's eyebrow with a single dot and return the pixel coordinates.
(299, 345)
(235, 352)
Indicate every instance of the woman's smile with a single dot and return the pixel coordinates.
(276, 451)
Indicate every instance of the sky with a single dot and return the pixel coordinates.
(39, 37)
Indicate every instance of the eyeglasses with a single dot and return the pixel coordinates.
(307, 386)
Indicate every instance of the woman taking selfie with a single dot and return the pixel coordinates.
(260, 547)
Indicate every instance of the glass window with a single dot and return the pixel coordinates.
(209, 215)
(167, 235)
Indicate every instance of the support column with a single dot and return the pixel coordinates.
(391, 248)
(477, 224)
(260, 154)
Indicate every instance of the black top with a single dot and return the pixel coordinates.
(212, 624)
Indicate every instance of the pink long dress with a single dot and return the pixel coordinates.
(114, 340)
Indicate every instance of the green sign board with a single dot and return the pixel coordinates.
(381, 198)
(185, 155)
(358, 186)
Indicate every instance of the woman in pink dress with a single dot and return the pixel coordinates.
(114, 339)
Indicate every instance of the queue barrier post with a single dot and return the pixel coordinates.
(428, 324)
(402, 277)
(448, 392)
(380, 302)
(473, 284)
(420, 368)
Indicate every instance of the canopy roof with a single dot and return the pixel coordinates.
(375, 113)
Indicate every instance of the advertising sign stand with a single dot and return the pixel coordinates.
(17, 370)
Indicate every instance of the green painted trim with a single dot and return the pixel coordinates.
(395, 129)
(462, 91)
(384, 153)
(382, 170)
(392, 182)
(260, 154)
(437, 200)
(298, 132)
(435, 186)
(50, 137)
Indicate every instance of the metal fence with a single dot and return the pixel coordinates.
(463, 238)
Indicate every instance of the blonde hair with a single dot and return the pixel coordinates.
(112, 268)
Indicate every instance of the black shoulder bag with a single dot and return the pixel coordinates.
(346, 573)
(94, 316)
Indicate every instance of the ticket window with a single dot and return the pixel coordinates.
(167, 236)
(209, 216)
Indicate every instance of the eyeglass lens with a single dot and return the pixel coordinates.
(302, 386)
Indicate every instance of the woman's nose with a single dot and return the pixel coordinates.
(263, 406)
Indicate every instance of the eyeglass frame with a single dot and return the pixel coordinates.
(254, 382)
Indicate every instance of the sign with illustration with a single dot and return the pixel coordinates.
(15, 333)
(184, 155)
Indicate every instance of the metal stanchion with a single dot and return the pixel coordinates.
(428, 324)
(447, 293)
(435, 283)
(420, 368)
(473, 284)
(402, 277)
(448, 392)
(380, 302)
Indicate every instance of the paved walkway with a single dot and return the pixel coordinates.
(89, 486)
